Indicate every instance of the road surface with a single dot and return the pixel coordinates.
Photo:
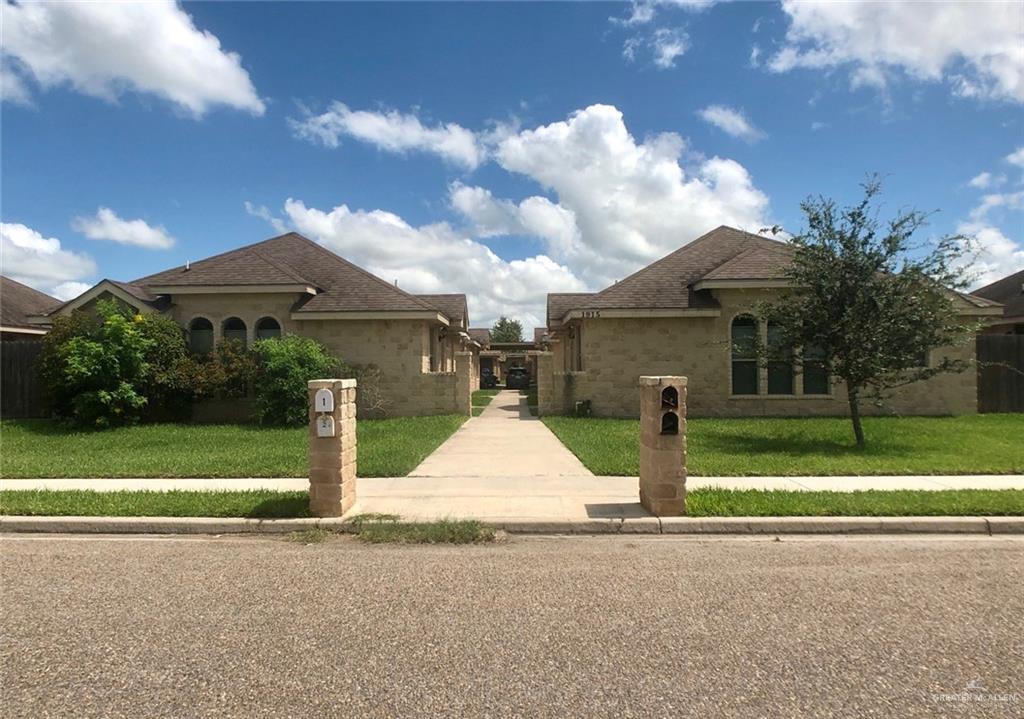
(534, 627)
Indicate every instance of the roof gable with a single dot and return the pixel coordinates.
(666, 283)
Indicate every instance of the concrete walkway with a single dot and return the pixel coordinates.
(504, 441)
(565, 498)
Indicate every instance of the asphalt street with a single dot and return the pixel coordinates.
(533, 627)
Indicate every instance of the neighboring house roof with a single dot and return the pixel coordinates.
(481, 335)
(452, 305)
(1008, 291)
(18, 302)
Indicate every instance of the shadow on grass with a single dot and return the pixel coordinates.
(287, 507)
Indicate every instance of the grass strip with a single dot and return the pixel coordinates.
(972, 444)
(701, 503)
(42, 448)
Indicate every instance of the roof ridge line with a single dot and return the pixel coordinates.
(369, 274)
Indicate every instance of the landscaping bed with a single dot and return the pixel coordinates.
(40, 448)
(266, 504)
(975, 444)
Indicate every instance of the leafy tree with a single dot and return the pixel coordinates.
(507, 330)
(285, 365)
(868, 300)
(94, 366)
(228, 371)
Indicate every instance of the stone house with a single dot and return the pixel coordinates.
(290, 284)
(1009, 292)
(684, 314)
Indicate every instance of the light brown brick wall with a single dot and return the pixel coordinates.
(399, 348)
(618, 351)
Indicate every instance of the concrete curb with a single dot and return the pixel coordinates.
(631, 525)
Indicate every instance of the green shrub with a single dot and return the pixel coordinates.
(285, 366)
(95, 365)
(169, 381)
(227, 372)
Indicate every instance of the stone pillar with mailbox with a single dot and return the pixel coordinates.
(332, 446)
(663, 445)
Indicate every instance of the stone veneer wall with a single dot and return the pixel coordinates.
(616, 352)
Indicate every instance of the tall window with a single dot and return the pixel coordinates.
(234, 329)
(200, 335)
(780, 363)
(744, 355)
(266, 328)
(815, 371)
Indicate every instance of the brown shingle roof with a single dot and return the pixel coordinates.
(1008, 291)
(18, 302)
(481, 335)
(665, 284)
(561, 302)
(293, 259)
(451, 305)
(758, 263)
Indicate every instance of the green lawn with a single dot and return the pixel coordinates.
(702, 503)
(977, 444)
(39, 448)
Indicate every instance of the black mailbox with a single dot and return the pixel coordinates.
(670, 398)
(670, 423)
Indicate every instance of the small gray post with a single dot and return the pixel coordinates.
(332, 446)
(663, 445)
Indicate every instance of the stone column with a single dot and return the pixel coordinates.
(545, 384)
(332, 458)
(463, 383)
(663, 445)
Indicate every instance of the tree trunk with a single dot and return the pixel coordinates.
(853, 393)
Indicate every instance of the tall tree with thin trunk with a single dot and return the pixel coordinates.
(871, 302)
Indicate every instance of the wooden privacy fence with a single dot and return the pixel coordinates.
(1001, 373)
(21, 394)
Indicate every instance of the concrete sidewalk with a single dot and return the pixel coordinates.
(504, 441)
(520, 497)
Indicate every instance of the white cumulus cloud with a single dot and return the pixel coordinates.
(106, 225)
(632, 201)
(104, 48)
(30, 258)
(393, 131)
(732, 122)
(1017, 157)
(436, 258)
(975, 47)
(611, 204)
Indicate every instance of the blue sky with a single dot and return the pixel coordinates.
(502, 150)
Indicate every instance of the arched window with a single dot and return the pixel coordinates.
(266, 328)
(200, 335)
(744, 355)
(780, 362)
(234, 329)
